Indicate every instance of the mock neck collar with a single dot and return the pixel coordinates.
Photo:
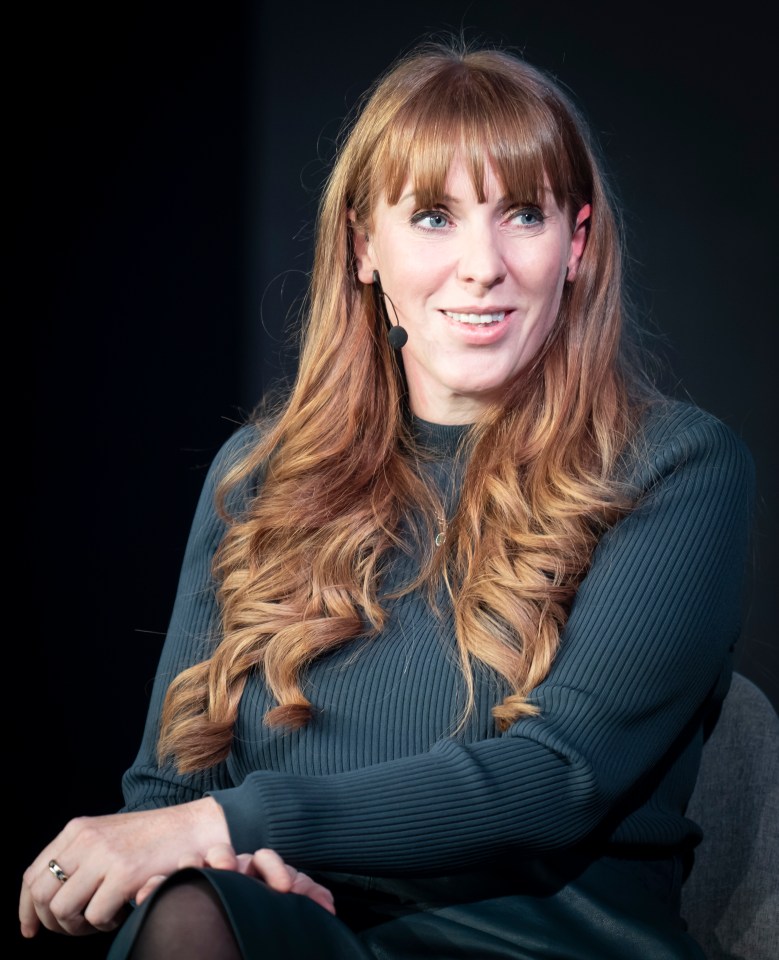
(443, 439)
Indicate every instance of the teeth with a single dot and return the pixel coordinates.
(475, 318)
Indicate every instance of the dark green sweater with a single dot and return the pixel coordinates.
(378, 784)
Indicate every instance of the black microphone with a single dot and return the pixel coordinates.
(397, 335)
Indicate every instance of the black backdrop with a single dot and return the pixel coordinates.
(173, 154)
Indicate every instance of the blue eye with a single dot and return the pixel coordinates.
(430, 220)
(528, 217)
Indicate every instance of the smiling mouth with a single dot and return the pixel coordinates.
(475, 319)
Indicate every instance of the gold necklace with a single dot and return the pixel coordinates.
(441, 535)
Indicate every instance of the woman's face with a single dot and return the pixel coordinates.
(477, 286)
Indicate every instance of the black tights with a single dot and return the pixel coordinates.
(221, 915)
(188, 922)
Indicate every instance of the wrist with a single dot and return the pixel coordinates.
(209, 822)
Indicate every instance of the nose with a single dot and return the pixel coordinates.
(481, 259)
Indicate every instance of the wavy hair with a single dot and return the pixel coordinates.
(298, 569)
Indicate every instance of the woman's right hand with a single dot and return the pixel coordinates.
(105, 859)
(264, 864)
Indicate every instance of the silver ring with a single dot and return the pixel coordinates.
(57, 870)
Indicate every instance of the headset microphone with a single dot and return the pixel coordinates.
(397, 335)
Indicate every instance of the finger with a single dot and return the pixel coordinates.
(191, 860)
(65, 913)
(38, 887)
(222, 857)
(88, 902)
(39, 883)
(245, 864)
(305, 886)
(44, 902)
(272, 869)
(149, 887)
(103, 897)
(60, 899)
(106, 926)
(29, 921)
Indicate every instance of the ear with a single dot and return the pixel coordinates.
(578, 240)
(363, 250)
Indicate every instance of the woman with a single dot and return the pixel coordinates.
(451, 620)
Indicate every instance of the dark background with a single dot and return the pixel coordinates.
(171, 156)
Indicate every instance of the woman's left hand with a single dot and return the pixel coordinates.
(264, 864)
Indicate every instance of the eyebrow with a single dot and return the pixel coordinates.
(447, 198)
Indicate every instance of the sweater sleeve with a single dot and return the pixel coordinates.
(189, 639)
(649, 635)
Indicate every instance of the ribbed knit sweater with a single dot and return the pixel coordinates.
(378, 783)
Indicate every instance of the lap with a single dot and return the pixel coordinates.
(605, 911)
(609, 911)
(266, 924)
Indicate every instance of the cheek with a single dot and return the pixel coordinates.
(544, 279)
(417, 282)
(422, 266)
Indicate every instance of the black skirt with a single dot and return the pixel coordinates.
(562, 908)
